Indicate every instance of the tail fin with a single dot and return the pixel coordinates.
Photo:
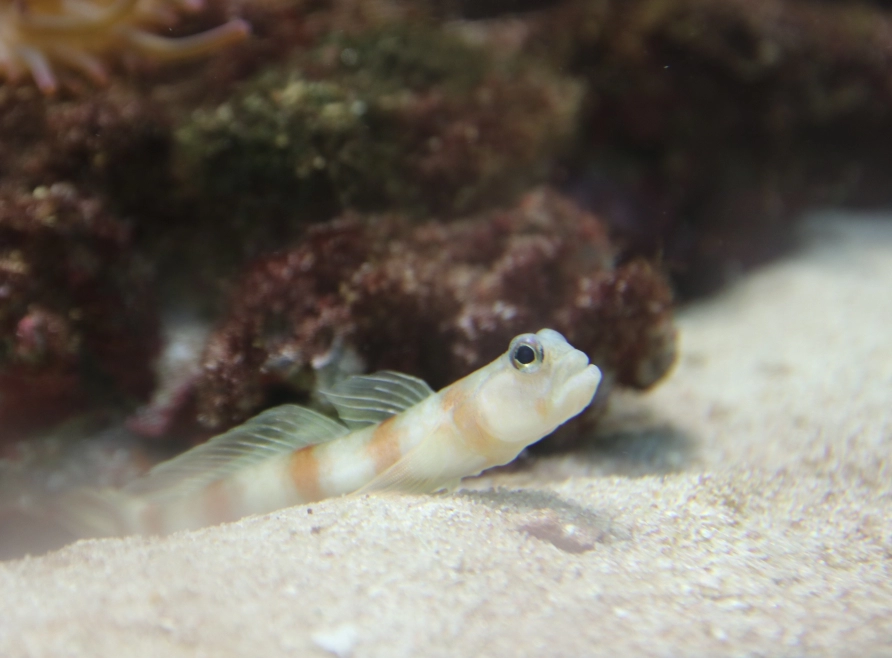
(88, 513)
(27, 529)
(36, 526)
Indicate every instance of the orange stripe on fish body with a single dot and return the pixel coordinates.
(151, 521)
(218, 502)
(384, 447)
(303, 467)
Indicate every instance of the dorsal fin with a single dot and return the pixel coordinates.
(367, 399)
(273, 432)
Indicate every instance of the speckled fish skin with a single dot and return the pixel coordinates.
(483, 420)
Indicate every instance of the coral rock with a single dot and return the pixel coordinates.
(437, 300)
(733, 116)
(75, 312)
(399, 117)
(114, 143)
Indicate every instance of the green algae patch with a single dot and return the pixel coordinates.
(410, 119)
(415, 59)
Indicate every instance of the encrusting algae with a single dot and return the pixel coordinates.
(396, 118)
(35, 35)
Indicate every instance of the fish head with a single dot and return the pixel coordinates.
(539, 383)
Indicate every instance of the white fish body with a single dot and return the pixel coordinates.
(396, 434)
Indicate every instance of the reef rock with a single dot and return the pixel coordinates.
(436, 300)
(710, 125)
(401, 117)
(76, 315)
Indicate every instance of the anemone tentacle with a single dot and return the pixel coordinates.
(38, 36)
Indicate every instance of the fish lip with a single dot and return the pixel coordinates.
(576, 374)
(572, 363)
(590, 370)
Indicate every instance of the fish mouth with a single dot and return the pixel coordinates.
(577, 382)
(572, 363)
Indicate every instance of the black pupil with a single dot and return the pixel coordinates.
(525, 354)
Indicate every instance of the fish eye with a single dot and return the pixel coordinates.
(526, 353)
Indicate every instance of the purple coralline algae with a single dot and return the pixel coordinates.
(77, 319)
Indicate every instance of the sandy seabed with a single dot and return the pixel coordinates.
(743, 508)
